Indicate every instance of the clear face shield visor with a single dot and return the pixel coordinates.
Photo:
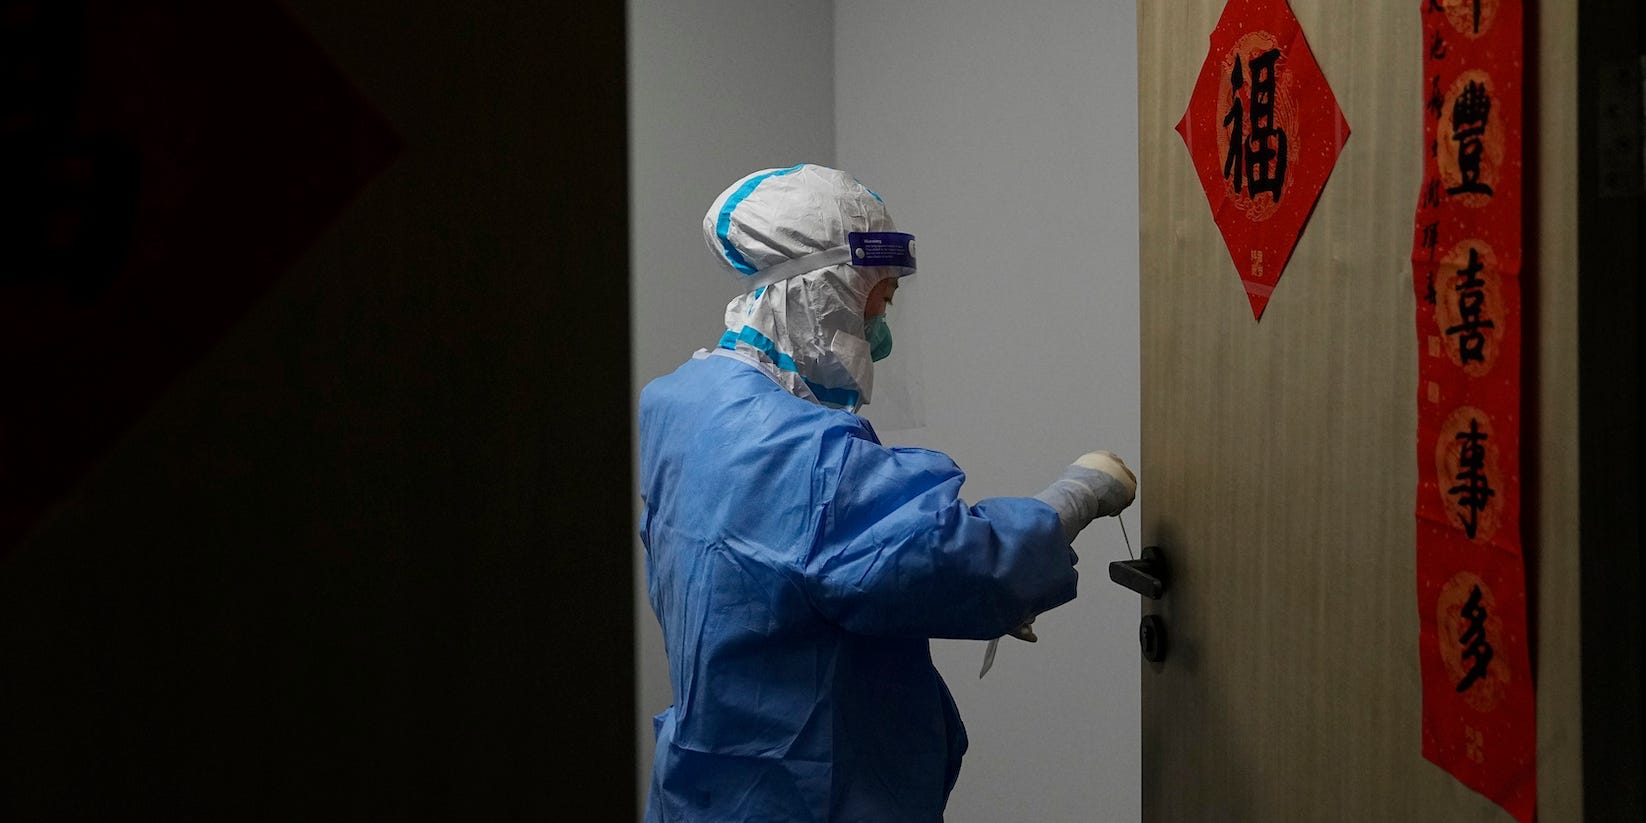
(897, 398)
(897, 382)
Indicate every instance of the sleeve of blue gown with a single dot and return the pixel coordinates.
(900, 554)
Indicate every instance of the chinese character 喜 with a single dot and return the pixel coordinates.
(1471, 306)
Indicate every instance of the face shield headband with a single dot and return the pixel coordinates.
(863, 248)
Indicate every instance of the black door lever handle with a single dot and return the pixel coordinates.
(1148, 575)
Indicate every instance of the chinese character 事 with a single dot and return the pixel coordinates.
(1476, 648)
(1257, 158)
(1473, 489)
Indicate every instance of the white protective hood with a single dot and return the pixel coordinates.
(807, 327)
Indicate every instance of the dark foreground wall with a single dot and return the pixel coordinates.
(315, 428)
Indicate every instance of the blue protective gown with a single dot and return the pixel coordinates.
(798, 568)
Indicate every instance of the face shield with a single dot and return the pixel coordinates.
(898, 387)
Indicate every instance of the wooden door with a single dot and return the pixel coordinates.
(1278, 455)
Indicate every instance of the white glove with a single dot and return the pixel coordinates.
(1096, 485)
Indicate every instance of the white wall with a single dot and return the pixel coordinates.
(717, 89)
(1005, 137)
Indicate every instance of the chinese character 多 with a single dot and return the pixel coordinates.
(1476, 648)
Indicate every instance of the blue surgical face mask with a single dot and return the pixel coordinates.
(879, 336)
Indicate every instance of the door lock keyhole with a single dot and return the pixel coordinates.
(1151, 638)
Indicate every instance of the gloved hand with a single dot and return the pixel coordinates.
(1096, 485)
(1025, 632)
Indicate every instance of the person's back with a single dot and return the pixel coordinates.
(779, 714)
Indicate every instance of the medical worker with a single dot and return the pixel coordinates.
(798, 566)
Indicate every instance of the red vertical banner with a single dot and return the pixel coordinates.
(1478, 705)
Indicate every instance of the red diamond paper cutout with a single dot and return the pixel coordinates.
(1264, 131)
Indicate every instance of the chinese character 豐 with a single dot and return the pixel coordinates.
(1469, 116)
